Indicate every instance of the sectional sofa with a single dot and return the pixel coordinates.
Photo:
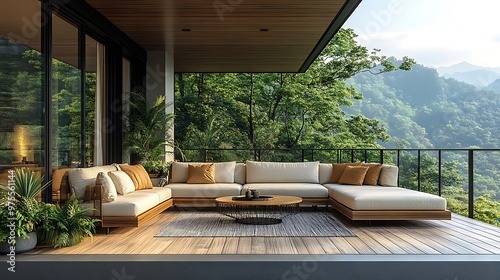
(317, 183)
(313, 182)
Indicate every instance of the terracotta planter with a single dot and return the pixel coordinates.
(22, 244)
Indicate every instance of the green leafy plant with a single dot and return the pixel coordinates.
(29, 184)
(20, 206)
(65, 226)
(159, 167)
(147, 128)
(23, 214)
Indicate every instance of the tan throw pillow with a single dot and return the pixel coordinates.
(338, 169)
(108, 187)
(139, 176)
(201, 174)
(372, 174)
(224, 171)
(353, 175)
(122, 181)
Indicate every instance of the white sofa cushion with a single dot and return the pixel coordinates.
(133, 204)
(282, 172)
(240, 173)
(388, 176)
(295, 189)
(123, 183)
(325, 173)
(109, 190)
(80, 178)
(224, 171)
(204, 190)
(384, 198)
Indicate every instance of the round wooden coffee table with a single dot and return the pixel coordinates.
(259, 212)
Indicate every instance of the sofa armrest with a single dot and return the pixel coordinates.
(95, 196)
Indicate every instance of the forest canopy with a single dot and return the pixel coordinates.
(283, 110)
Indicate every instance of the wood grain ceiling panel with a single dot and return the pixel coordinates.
(225, 35)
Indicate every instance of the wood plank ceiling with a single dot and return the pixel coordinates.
(225, 35)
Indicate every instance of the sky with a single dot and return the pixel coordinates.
(433, 32)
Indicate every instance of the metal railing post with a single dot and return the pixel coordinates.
(418, 171)
(204, 154)
(397, 163)
(471, 184)
(440, 181)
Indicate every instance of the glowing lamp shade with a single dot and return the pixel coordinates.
(23, 146)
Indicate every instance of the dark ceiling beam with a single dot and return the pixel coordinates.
(346, 11)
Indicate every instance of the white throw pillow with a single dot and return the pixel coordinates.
(122, 181)
(388, 176)
(109, 190)
(224, 171)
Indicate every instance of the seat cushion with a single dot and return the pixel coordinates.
(295, 189)
(162, 193)
(384, 198)
(204, 190)
(135, 203)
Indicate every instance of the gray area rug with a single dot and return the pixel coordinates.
(211, 224)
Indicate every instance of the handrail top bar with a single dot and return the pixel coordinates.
(345, 149)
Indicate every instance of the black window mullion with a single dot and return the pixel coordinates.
(46, 38)
(82, 66)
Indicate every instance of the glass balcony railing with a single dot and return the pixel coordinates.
(469, 179)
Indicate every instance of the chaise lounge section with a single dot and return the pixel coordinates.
(386, 201)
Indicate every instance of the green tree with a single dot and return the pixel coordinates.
(285, 110)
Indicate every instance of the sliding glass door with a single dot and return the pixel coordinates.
(21, 94)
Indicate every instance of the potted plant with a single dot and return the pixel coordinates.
(157, 168)
(20, 211)
(65, 226)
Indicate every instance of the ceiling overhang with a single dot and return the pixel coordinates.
(231, 35)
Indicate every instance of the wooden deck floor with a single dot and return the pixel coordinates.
(459, 236)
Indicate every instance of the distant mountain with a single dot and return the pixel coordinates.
(495, 86)
(457, 68)
(480, 77)
(470, 73)
(423, 109)
(463, 67)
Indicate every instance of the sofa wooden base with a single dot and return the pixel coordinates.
(203, 202)
(116, 221)
(371, 215)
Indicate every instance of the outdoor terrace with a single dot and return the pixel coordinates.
(460, 248)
